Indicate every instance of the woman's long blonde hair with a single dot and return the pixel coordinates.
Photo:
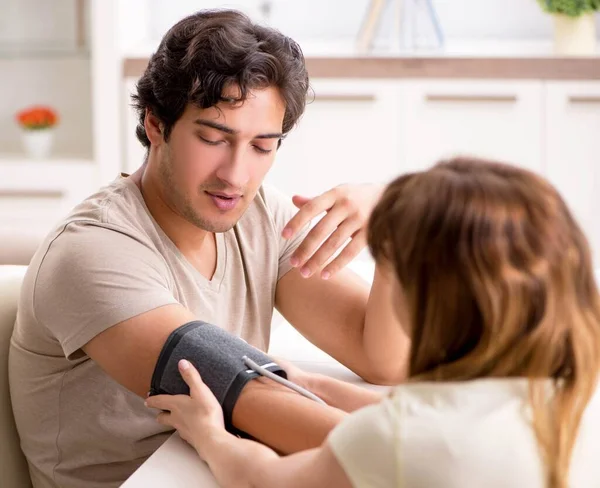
(498, 282)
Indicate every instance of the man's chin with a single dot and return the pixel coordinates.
(219, 228)
(217, 224)
(213, 225)
(212, 220)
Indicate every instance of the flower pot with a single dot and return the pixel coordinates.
(575, 36)
(38, 143)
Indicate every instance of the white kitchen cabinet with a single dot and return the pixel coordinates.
(348, 134)
(573, 151)
(135, 153)
(35, 204)
(72, 64)
(496, 119)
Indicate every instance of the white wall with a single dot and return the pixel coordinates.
(64, 84)
(62, 81)
(340, 19)
(37, 21)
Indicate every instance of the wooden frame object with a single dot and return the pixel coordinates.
(26, 193)
(471, 98)
(80, 34)
(584, 99)
(343, 97)
(370, 24)
(512, 68)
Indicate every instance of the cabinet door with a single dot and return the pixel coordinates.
(501, 120)
(34, 196)
(573, 151)
(135, 153)
(349, 133)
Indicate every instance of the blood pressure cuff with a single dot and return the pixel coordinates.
(217, 355)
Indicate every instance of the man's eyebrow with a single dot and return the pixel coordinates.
(215, 125)
(273, 135)
(229, 130)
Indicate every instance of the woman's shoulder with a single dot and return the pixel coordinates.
(461, 397)
(464, 402)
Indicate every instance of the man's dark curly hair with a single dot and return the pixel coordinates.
(210, 50)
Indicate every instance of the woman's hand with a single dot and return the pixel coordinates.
(348, 208)
(196, 417)
(294, 373)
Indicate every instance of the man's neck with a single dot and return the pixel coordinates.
(194, 243)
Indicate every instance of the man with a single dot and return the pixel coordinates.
(191, 235)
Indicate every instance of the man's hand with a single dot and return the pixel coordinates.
(347, 208)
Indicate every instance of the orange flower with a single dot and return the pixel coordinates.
(37, 117)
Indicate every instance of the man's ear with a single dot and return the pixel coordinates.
(153, 127)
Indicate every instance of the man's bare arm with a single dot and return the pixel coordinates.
(281, 418)
(269, 412)
(128, 351)
(341, 316)
(339, 394)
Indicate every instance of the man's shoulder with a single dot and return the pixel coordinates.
(118, 204)
(269, 211)
(110, 220)
(115, 209)
(274, 199)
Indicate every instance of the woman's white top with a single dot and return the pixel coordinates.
(474, 434)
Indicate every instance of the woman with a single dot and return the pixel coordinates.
(494, 284)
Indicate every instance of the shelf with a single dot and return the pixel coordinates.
(17, 161)
(31, 173)
(46, 51)
(453, 48)
(49, 178)
(474, 58)
(24, 21)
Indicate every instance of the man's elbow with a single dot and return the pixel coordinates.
(386, 376)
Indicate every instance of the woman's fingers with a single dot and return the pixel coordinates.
(165, 418)
(336, 241)
(198, 389)
(352, 249)
(315, 238)
(163, 402)
(200, 395)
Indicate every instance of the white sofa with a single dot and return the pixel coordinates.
(18, 247)
(14, 467)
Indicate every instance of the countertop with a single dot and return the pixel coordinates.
(473, 59)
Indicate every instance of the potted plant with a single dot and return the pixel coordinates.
(574, 25)
(37, 123)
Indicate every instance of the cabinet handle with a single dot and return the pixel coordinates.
(472, 98)
(584, 99)
(341, 97)
(10, 193)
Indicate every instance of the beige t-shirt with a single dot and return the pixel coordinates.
(107, 262)
(457, 435)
